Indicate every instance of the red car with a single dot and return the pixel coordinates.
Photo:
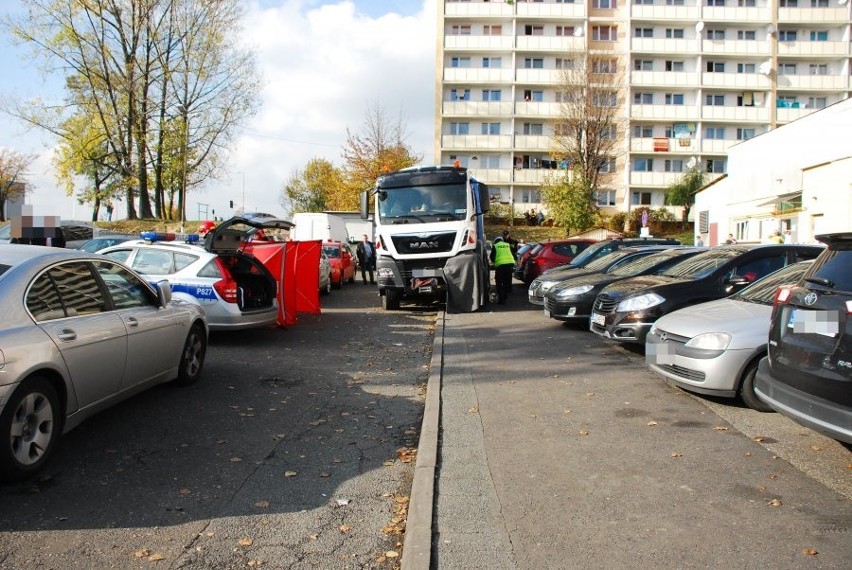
(342, 262)
(550, 254)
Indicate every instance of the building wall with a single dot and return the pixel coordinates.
(827, 199)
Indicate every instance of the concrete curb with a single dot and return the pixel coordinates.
(417, 545)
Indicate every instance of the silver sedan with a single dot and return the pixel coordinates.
(713, 348)
(78, 333)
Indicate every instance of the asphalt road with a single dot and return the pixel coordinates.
(292, 451)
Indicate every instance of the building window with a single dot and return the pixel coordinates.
(531, 196)
(605, 33)
(643, 164)
(750, 35)
(605, 197)
(643, 33)
(676, 66)
(786, 69)
(643, 132)
(643, 65)
(533, 63)
(492, 30)
(564, 30)
(643, 2)
(563, 130)
(817, 102)
(673, 165)
(533, 129)
(715, 3)
(640, 198)
(819, 36)
(460, 62)
(716, 165)
(603, 4)
(604, 100)
(674, 98)
(818, 69)
(491, 95)
(533, 96)
(490, 129)
(741, 231)
(459, 128)
(674, 33)
(789, 3)
(746, 3)
(715, 67)
(674, 2)
(715, 34)
(714, 133)
(714, 100)
(607, 165)
(609, 133)
(460, 95)
(564, 63)
(819, 3)
(788, 101)
(643, 98)
(530, 30)
(492, 62)
(746, 68)
(787, 36)
(458, 30)
(604, 66)
(745, 134)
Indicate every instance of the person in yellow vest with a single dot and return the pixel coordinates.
(504, 263)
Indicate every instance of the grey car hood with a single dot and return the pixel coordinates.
(747, 323)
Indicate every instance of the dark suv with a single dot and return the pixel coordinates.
(807, 374)
(626, 310)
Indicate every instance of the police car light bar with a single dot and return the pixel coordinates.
(169, 236)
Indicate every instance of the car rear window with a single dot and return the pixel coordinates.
(764, 290)
(833, 268)
(331, 251)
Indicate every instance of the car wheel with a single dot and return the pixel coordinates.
(352, 279)
(30, 428)
(390, 300)
(327, 289)
(192, 358)
(339, 283)
(747, 394)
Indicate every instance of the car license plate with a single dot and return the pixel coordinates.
(599, 320)
(426, 289)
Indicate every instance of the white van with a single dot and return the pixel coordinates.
(310, 226)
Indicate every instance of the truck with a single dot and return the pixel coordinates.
(317, 225)
(430, 237)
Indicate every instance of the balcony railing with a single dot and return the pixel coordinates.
(477, 108)
(551, 43)
(476, 142)
(736, 47)
(653, 145)
(717, 146)
(664, 112)
(741, 114)
(658, 179)
(478, 75)
(820, 82)
(533, 109)
(665, 13)
(664, 45)
(808, 48)
(533, 142)
(751, 81)
(551, 10)
(829, 15)
(735, 14)
(478, 43)
(478, 9)
(661, 78)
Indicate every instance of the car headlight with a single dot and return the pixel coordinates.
(573, 291)
(710, 341)
(547, 285)
(639, 303)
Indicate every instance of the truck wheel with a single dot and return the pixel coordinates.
(390, 300)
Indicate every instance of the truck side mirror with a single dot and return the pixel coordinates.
(365, 205)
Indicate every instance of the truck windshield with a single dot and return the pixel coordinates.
(420, 204)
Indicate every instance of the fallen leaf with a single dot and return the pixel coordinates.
(144, 553)
(312, 536)
(748, 453)
(566, 411)
(773, 476)
(758, 439)
(589, 394)
(583, 432)
(235, 459)
(262, 504)
(156, 557)
(810, 552)
(245, 541)
(816, 448)
(344, 528)
(391, 554)
(389, 463)
(652, 423)
(720, 428)
(473, 409)
(775, 503)
(342, 502)
(677, 454)
(185, 492)
(290, 473)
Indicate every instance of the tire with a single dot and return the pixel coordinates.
(390, 300)
(327, 289)
(747, 394)
(192, 357)
(352, 279)
(339, 283)
(30, 429)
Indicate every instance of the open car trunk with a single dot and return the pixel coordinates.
(256, 287)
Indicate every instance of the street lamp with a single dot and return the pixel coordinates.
(182, 194)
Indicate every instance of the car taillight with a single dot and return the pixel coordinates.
(849, 307)
(782, 295)
(227, 289)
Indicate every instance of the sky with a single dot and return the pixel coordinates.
(324, 63)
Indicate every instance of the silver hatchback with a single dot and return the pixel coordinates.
(78, 333)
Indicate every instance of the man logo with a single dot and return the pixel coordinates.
(810, 298)
(423, 245)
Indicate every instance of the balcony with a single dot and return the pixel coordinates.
(536, 175)
(492, 175)
(539, 76)
(717, 146)
(664, 112)
(551, 43)
(654, 146)
(477, 108)
(736, 47)
(750, 81)
(525, 143)
(533, 109)
(813, 49)
(735, 15)
(813, 82)
(664, 46)
(785, 115)
(833, 15)
(737, 114)
(661, 79)
(551, 10)
(478, 43)
(665, 13)
(478, 75)
(476, 142)
(478, 10)
(654, 179)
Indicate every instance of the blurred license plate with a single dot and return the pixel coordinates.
(425, 289)
(599, 320)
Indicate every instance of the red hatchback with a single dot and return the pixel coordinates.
(551, 254)
(342, 262)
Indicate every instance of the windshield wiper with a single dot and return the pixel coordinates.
(821, 281)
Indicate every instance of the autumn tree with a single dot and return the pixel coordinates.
(571, 201)
(314, 189)
(682, 192)
(13, 176)
(379, 147)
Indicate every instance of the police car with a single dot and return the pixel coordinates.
(233, 287)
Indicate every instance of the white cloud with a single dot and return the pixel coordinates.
(322, 67)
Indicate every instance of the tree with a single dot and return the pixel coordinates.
(13, 176)
(380, 147)
(682, 192)
(310, 189)
(571, 201)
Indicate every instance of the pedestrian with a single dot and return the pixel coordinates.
(513, 243)
(533, 217)
(366, 252)
(699, 241)
(788, 237)
(730, 240)
(775, 237)
(504, 263)
(540, 218)
(528, 218)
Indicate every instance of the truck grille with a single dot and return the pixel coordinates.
(439, 242)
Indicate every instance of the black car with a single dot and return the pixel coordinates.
(807, 373)
(593, 252)
(572, 299)
(625, 310)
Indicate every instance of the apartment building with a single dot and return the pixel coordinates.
(700, 76)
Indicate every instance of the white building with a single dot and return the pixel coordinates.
(703, 75)
(796, 178)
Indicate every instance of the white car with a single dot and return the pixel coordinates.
(234, 288)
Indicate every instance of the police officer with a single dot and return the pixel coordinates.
(504, 263)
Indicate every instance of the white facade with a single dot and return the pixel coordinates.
(702, 76)
(797, 178)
